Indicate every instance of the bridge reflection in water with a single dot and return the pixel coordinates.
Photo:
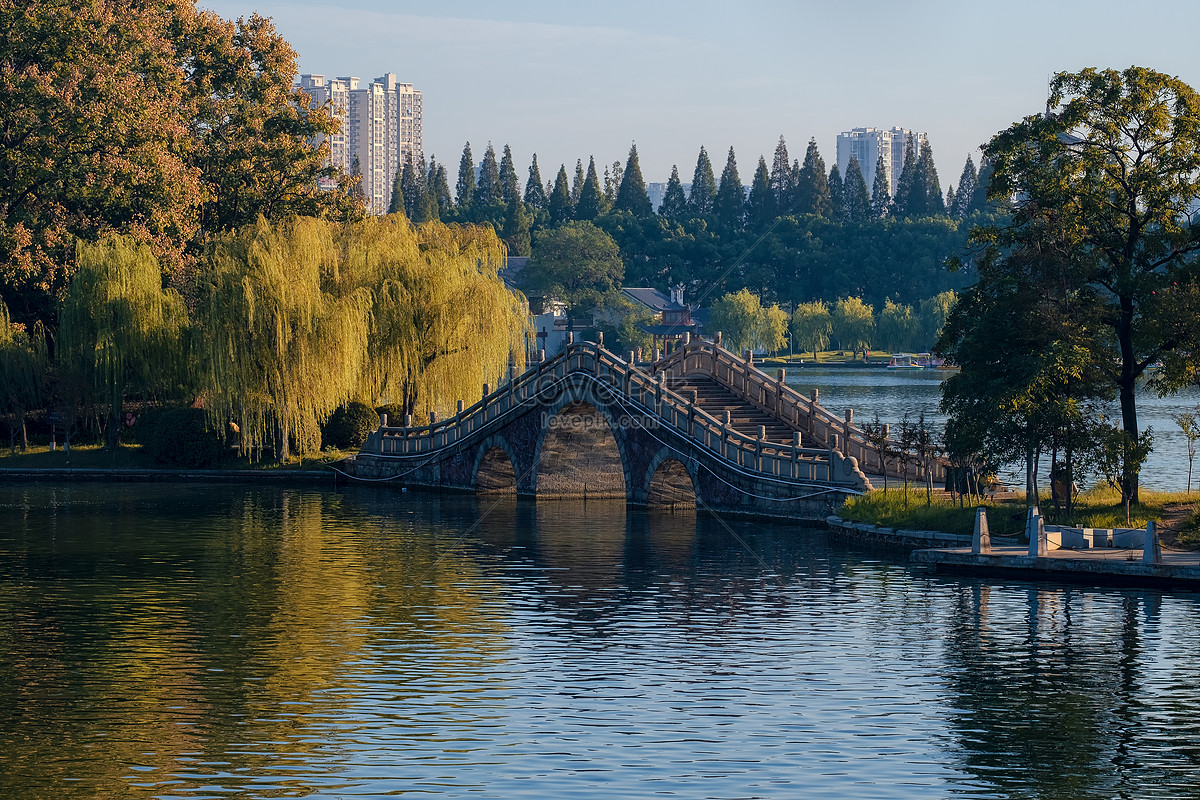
(697, 428)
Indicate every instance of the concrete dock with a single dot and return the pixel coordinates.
(1099, 565)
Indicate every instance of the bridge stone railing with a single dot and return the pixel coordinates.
(774, 396)
(633, 393)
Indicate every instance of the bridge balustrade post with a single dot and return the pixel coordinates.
(600, 338)
(541, 356)
(795, 453)
(383, 420)
(407, 423)
(717, 339)
(658, 390)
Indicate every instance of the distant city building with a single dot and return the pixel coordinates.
(380, 125)
(656, 191)
(866, 144)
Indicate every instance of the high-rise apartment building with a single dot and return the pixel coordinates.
(866, 144)
(380, 126)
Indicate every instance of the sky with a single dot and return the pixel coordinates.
(567, 79)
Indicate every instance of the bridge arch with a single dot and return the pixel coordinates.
(581, 449)
(669, 481)
(495, 470)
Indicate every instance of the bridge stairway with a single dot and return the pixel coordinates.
(714, 399)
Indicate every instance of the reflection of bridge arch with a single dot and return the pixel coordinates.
(581, 448)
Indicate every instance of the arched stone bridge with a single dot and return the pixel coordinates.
(700, 427)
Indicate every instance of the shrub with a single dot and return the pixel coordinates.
(349, 426)
(181, 437)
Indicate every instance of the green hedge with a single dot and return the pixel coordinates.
(349, 426)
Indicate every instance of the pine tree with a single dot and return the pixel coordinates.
(577, 184)
(559, 204)
(979, 198)
(510, 184)
(812, 189)
(704, 187)
(837, 195)
(966, 190)
(881, 190)
(591, 199)
(441, 192)
(925, 196)
(488, 190)
(760, 207)
(904, 186)
(950, 199)
(729, 206)
(535, 193)
(674, 204)
(610, 188)
(631, 195)
(464, 190)
(397, 205)
(412, 185)
(516, 229)
(781, 178)
(858, 201)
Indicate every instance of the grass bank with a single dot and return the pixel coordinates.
(1176, 512)
(134, 456)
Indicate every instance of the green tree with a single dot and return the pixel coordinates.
(925, 197)
(488, 191)
(704, 187)
(510, 185)
(412, 185)
(631, 196)
(772, 334)
(23, 365)
(812, 325)
(464, 189)
(559, 204)
(908, 176)
(1111, 170)
(440, 186)
(837, 195)
(897, 327)
(857, 200)
(591, 201)
(397, 205)
(516, 229)
(760, 205)
(781, 179)
(933, 315)
(853, 324)
(738, 316)
(119, 330)
(881, 192)
(966, 191)
(674, 204)
(812, 188)
(535, 192)
(577, 183)
(578, 263)
(729, 205)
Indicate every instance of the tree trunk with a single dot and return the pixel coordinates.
(1030, 482)
(281, 440)
(1127, 381)
(112, 432)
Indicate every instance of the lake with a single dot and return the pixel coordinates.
(893, 393)
(197, 641)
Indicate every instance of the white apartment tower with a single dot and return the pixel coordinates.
(381, 126)
(866, 144)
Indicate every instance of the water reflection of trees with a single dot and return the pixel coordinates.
(1063, 693)
(215, 638)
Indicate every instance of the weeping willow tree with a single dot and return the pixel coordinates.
(301, 316)
(119, 330)
(443, 322)
(279, 351)
(22, 373)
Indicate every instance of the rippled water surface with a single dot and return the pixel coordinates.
(192, 641)
(893, 393)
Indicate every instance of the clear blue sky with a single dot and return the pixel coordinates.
(568, 79)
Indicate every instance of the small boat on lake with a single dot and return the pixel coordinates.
(919, 361)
